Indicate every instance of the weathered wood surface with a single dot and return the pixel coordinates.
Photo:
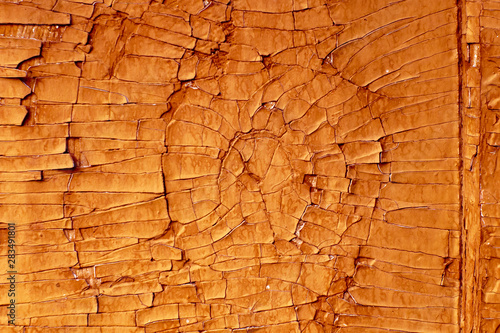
(251, 165)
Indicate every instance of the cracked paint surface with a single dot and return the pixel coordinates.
(250, 166)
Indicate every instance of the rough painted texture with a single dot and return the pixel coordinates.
(251, 165)
(487, 156)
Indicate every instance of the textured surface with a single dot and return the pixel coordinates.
(251, 165)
